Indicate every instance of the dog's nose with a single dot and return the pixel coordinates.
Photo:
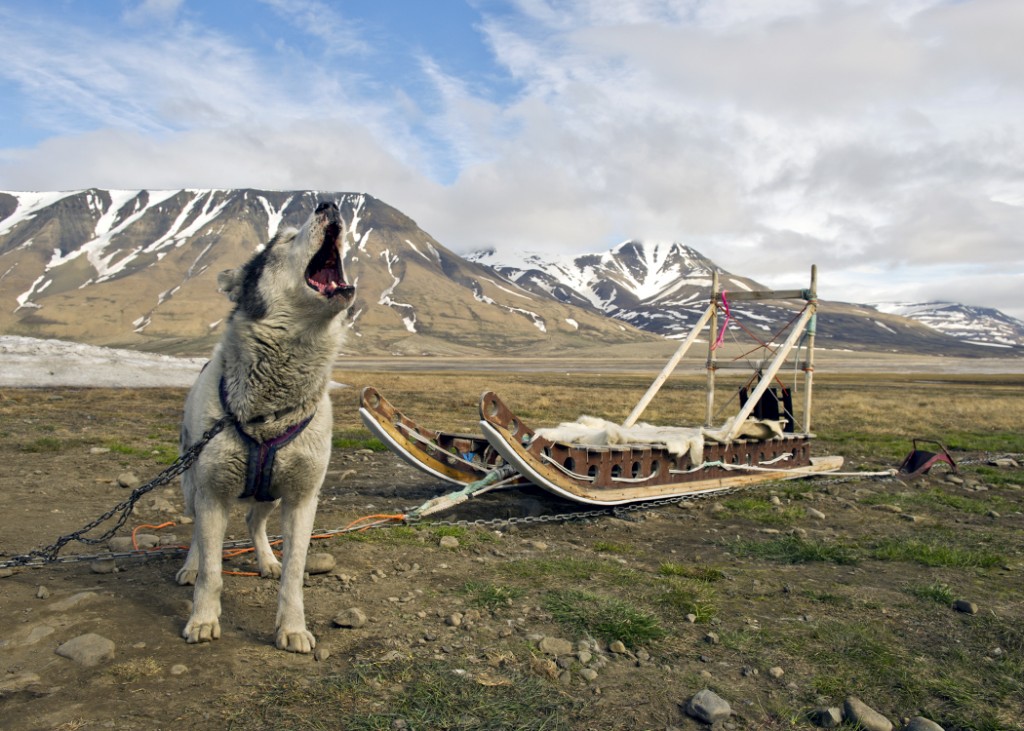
(326, 206)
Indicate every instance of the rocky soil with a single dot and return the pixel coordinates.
(96, 644)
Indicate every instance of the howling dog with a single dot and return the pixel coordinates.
(269, 375)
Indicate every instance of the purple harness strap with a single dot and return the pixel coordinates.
(260, 464)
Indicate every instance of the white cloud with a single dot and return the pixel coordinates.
(882, 140)
(147, 11)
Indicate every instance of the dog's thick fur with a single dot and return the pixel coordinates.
(275, 360)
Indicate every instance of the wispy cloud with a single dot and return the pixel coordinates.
(883, 139)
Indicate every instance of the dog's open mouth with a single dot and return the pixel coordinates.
(325, 273)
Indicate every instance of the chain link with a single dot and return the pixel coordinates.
(49, 554)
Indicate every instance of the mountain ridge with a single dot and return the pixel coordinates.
(137, 268)
(663, 287)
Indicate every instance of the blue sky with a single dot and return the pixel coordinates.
(882, 140)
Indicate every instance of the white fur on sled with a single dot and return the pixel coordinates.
(678, 440)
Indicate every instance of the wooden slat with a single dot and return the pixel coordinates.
(768, 294)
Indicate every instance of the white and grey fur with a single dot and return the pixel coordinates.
(276, 357)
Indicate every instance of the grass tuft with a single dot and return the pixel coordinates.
(935, 592)
(606, 618)
(929, 553)
(407, 694)
(686, 571)
(796, 550)
(491, 596)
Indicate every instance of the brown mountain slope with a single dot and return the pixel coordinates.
(138, 269)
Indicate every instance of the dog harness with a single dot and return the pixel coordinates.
(260, 464)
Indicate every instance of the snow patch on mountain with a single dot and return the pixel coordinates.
(977, 325)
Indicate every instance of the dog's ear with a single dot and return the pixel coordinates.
(229, 282)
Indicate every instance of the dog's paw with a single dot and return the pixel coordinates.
(302, 641)
(198, 631)
(186, 577)
(271, 570)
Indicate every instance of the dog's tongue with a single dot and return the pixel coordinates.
(325, 280)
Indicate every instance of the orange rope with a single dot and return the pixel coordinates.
(379, 519)
(135, 542)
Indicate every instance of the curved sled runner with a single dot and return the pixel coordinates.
(460, 459)
(626, 473)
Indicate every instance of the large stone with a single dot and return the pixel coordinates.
(319, 563)
(920, 723)
(709, 707)
(829, 717)
(352, 618)
(856, 711)
(555, 646)
(89, 649)
(128, 480)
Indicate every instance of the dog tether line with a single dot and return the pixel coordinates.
(125, 508)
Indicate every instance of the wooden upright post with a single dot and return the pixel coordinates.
(712, 335)
(809, 364)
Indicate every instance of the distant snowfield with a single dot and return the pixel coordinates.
(28, 362)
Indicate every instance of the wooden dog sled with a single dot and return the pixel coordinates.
(610, 464)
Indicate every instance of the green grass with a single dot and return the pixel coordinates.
(827, 597)
(44, 445)
(423, 694)
(161, 452)
(688, 571)
(682, 597)
(797, 550)
(491, 596)
(614, 548)
(605, 618)
(759, 510)
(357, 439)
(984, 441)
(934, 592)
(934, 553)
(995, 476)
(539, 571)
(397, 535)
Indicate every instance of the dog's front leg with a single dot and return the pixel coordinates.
(297, 519)
(207, 547)
(256, 520)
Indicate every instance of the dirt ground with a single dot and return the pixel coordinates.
(63, 451)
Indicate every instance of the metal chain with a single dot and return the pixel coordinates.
(49, 554)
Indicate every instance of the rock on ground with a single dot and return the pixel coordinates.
(89, 649)
(857, 712)
(709, 707)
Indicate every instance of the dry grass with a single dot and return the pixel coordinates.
(868, 411)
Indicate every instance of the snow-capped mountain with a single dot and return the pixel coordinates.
(980, 325)
(664, 288)
(658, 287)
(138, 269)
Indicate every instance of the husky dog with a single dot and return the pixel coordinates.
(269, 374)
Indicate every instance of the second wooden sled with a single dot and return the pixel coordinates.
(460, 459)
